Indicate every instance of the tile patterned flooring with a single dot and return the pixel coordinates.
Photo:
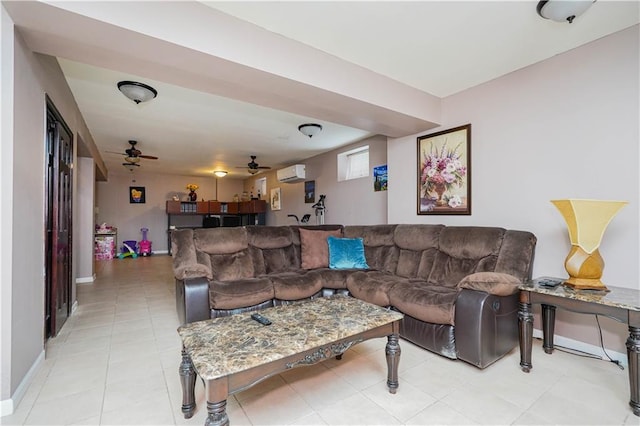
(115, 362)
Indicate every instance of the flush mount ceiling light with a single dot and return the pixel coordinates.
(310, 129)
(563, 10)
(137, 92)
(220, 173)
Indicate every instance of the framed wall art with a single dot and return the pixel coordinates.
(276, 199)
(310, 191)
(137, 195)
(444, 172)
(380, 178)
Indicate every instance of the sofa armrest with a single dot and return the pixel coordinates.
(192, 300)
(495, 283)
(486, 326)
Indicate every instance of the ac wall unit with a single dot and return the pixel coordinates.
(290, 174)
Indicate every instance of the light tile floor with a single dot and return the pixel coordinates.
(116, 362)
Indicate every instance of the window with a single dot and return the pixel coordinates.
(353, 164)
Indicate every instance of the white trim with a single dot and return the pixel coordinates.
(585, 347)
(8, 406)
(74, 307)
(84, 280)
(161, 252)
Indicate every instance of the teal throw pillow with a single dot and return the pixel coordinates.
(346, 253)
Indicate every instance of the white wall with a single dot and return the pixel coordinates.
(348, 203)
(115, 210)
(83, 228)
(567, 127)
(6, 216)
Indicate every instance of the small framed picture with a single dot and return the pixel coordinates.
(310, 191)
(137, 195)
(276, 199)
(380, 178)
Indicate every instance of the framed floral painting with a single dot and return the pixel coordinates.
(444, 172)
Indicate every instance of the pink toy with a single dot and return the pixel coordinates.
(144, 245)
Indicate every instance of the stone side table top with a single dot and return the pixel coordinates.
(617, 297)
(224, 346)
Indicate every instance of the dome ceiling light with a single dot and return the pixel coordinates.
(563, 10)
(310, 129)
(137, 92)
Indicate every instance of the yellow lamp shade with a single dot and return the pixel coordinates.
(587, 221)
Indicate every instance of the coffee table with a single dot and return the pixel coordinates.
(233, 353)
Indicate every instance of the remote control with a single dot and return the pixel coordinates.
(549, 283)
(262, 320)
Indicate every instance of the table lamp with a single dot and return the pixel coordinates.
(587, 221)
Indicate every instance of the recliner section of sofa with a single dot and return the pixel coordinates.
(415, 269)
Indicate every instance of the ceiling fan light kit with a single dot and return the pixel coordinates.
(310, 129)
(563, 10)
(137, 92)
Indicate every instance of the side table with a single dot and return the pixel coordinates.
(620, 304)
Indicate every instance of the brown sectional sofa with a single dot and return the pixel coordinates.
(457, 286)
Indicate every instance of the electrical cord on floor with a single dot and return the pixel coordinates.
(578, 352)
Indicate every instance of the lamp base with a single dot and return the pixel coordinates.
(586, 284)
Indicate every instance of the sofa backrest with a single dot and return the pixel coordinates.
(438, 254)
(225, 251)
(417, 246)
(272, 249)
(463, 250)
(379, 248)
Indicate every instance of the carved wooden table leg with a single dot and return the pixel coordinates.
(188, 381)
(217, 414)
(548, 327)
(633, 358)
(525, 322)
(392, 351)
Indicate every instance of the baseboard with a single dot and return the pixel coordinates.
(161, 252)
(8, 406)
(74, 307)
(84, 280)
(585, 347)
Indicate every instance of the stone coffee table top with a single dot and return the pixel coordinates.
(224, 346)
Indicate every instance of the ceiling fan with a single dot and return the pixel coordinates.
(253, 167)
(133, 154)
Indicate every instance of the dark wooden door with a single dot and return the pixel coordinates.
(58, 218)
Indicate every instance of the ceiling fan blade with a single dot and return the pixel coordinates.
(148, 157)
(262, 167)
(113, 152)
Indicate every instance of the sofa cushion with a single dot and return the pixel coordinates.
(379, 248)
(425, 302)
(314, 249)
(228, 267)
(239, 293)
(185, 256)
(332, 278)
(372, 286)
(464, 250)
(272, 249)
(491, 282)
(417, 248)
(346, 253)
(220, 240)
(295, 285)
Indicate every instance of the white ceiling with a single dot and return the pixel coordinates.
(437, 47)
